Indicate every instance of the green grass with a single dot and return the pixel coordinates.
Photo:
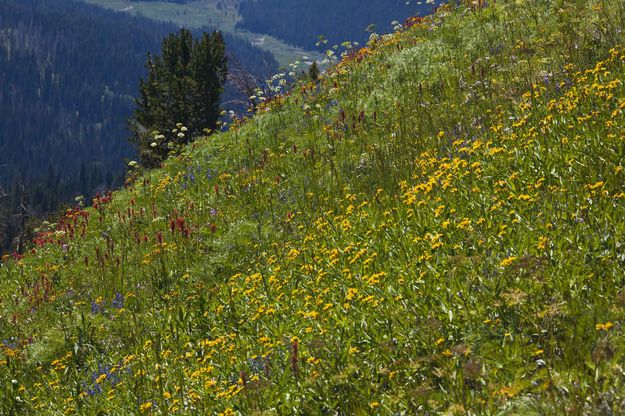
(436, 228)
(207, 13)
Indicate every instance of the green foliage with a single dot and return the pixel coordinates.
(183, 86)
(408, 236)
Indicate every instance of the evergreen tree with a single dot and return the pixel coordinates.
(183, 88)
(313, 72)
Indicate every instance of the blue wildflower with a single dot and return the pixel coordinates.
(10, 343)
(92, 390)
(118, 301)
(96, 308)
(257, 364)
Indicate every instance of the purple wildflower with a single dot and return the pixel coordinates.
(118, 301)
(96, 308)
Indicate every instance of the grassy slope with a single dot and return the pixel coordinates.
(206, 13)
(435, 227)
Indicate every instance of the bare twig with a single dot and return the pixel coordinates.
(245, 82)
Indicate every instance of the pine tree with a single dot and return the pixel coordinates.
(183, 88)
(313, 72)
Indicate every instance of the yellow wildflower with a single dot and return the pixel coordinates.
(604, 327)
(145, 406)
(508, 261)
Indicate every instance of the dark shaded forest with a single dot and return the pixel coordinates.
(301, 22)
(168, 1)
(68, 75)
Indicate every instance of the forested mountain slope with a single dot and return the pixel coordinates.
(433, 228)
(69, 73)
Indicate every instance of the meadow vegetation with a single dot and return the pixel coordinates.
(435, 227)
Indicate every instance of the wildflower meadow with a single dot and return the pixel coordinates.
(434, 227)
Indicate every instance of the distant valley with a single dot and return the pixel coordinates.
(222, 14)
(289, 29)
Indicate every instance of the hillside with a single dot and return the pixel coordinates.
(435, 228)
(69, 73)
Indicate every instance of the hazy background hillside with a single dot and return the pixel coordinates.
(301, 22)
(222, 14)
(288, 29)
